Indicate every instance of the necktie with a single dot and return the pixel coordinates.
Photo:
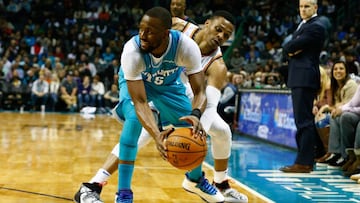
(301, 23)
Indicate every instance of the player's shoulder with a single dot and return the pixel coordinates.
(216, 67)
(131, 47)
(183, 25)
(178, 23)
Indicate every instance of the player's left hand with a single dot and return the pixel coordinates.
(198, 130)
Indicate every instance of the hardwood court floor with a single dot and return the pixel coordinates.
(44, 158)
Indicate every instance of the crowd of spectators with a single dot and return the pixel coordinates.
(58, 41)
(259, 56)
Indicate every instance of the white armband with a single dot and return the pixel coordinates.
(213, 96)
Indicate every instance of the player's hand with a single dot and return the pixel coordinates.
(161, 140)
(198, 130)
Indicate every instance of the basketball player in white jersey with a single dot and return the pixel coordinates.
(214, 33)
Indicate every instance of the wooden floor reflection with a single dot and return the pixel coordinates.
(44, 158)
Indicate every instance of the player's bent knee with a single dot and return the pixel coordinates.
(221, 138)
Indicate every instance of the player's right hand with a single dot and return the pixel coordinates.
(161, 140)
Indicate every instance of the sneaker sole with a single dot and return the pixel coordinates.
(321, 164)
(77, 197)
(333, 167)
(198, 195)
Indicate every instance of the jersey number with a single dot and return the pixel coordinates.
(157, 80)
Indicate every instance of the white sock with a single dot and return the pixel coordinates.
(220, 176)
(101, 176)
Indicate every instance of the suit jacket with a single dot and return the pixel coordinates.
(303, 52)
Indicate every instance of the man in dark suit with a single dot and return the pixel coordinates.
(303, 52)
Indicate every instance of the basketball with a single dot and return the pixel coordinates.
(184, 151)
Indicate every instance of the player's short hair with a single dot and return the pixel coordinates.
(225, 14)
(162, 14)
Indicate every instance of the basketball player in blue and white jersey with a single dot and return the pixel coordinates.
(151, 65)
(214, 33)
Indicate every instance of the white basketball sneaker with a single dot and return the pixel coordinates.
(203, 188)
(89, 193)
(230, 194)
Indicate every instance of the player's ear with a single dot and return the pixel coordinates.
(207, 22)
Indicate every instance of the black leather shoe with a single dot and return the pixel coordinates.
(297, 168)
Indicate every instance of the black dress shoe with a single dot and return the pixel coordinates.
(297, 168)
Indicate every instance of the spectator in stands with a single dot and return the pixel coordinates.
(37, 49)
(28, 37)
(178, 8)
(236, 60)
(13, 7)
(258, 80)
(322, 117)
(92, 15)
(248, 81)
(348, 117)
(343, 89)
(271, 81)
(330, 9)
(110, 72)
(51, 33)
(68, 91)
(104, 14)
(258, 43)
(226, 105)
(86, 67)
(97, 92)
(239, 80)
(340, 33)
(108, 55)
(59, 53)
(253, 55)
(111, 97)
(39, 92)
(101, 29)
(351, 62)
(15, 95)
(80, 14)
(54, 91)
(84, 97)
(279, 29)
(30, 76)
(100, 65)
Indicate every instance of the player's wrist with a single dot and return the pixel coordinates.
(196, 112)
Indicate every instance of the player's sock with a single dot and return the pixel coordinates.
(220, 176)
(195, 174)
(125, 176)
(101, 176)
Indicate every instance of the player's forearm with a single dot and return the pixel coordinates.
(146, 119)
(198, 87)
(199, 101)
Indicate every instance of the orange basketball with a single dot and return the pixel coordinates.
(184, 151)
